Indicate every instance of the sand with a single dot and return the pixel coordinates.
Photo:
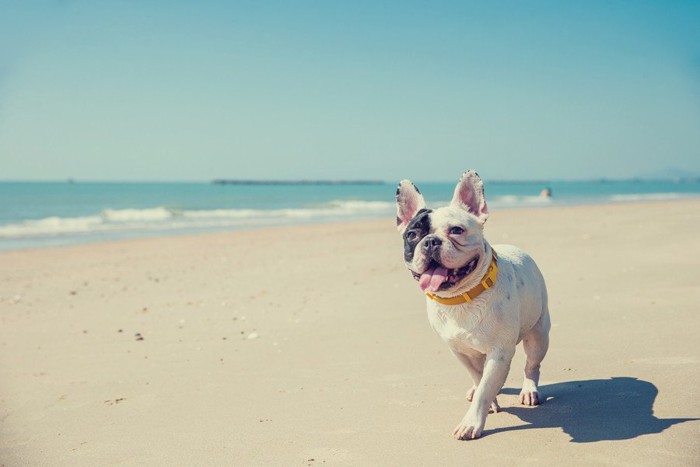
(309, 345)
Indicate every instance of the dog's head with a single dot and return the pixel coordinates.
(443, 247)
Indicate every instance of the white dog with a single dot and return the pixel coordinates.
(482, 300)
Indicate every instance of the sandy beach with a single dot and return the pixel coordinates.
(309, 345)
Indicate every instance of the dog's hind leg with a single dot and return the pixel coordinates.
(535, 343)
(475, 367)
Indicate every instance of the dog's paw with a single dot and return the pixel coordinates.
(529, 394)
(530, 398)
(468, 429)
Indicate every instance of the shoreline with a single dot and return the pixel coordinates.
(111, 237)
(306, 345)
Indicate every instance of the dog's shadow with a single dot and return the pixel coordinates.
(595, 410)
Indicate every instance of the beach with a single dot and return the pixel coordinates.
(309, 345)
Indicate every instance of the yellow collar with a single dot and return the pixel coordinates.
(486, 283)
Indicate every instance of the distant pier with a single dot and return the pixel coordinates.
(223, 181)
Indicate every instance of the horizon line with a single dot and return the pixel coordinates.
(330, 181)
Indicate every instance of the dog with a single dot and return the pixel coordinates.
(482, 300)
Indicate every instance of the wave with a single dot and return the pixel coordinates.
(161, 218)
(122, 221)
(130, 215)
(628, 198)
(51, 225)
(513, 201)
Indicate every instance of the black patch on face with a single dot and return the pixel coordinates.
(416, 231)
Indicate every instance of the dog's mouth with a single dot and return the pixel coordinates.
(437, 277)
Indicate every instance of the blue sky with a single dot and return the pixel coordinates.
(131, 90)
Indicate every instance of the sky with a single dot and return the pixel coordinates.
(382, 90)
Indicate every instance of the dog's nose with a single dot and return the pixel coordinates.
(431, 243)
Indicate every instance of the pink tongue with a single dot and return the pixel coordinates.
(432, 279)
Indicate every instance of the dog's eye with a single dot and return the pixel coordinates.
(456, 231)
(411, 235)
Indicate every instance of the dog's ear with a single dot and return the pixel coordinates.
(469, 195)
(408, 202)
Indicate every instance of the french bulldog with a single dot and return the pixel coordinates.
(482, 300)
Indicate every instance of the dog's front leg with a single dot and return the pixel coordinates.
(475, 366)
(496, 370)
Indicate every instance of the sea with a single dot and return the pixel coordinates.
(44, 214)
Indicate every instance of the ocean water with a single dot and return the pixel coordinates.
(37, 214)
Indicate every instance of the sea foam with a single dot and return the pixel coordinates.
(166, 219)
